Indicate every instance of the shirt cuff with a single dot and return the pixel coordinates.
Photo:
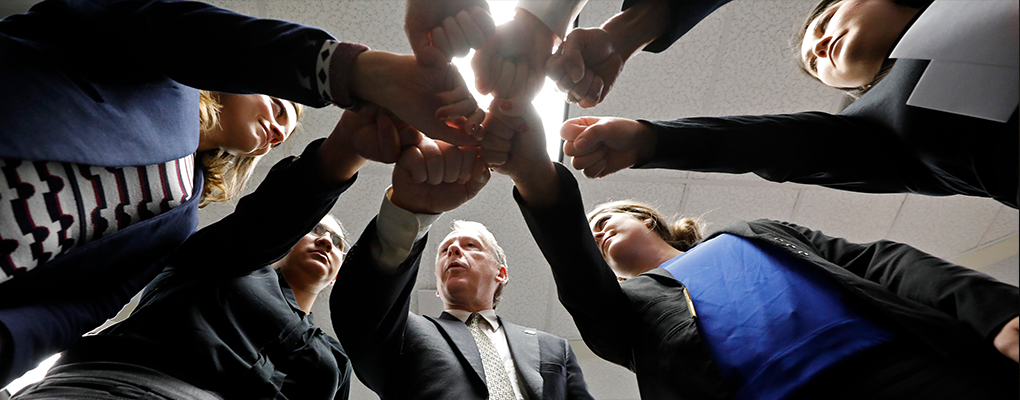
(398, 230)
(333, 65)
(557, 15)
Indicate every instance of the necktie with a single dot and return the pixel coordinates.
(496, 377)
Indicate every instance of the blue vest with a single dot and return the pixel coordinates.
(770, 322)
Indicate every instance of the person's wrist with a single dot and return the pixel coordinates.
(537, 26)
(537, 185)
(645, 142)
(368, 75)
(338, 161)
(637, 26)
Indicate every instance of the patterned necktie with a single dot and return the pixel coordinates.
(496, 377)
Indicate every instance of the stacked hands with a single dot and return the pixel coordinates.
(451, 162)
(513, 59)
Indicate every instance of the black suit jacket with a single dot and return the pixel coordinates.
(644, 323)
(878, 144)
(401, 355)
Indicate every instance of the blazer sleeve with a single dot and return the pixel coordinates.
(683, 15)
(836, 151)
(976, 299)
(193, 43)
(369, 309)
(587, 287)
(577, 388)
(266, 224)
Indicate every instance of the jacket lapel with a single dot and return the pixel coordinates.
(524, 349)
(463, 343)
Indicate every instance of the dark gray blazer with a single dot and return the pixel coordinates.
(401, 355)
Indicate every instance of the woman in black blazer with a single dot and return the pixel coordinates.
(876, 320)
(878, 144)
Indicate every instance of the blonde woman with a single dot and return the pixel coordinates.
(108, 148)
(761, 309)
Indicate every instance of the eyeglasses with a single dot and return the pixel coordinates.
(335, 238)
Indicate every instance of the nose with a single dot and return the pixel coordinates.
(276, 135)
(453, 250)
(821, 48)
(325, 240)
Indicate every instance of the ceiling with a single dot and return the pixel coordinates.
(737, 61)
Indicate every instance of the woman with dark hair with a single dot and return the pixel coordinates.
(879, 144)
(109, 147)
(760, 309)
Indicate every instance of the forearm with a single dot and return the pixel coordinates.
(587, 287)
(369, 308)
(540, 187)
(558, 16)
(815, 148)
(971, 297)
(267, 223)
(681, 16)
(637, 26)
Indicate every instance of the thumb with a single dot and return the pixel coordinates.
(572, 60)
(429, 55)
(598, 133)
(573, 127)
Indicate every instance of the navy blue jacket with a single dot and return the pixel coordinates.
(112, 83)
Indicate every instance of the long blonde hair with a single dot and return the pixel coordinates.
(225, 174)
(682, 233)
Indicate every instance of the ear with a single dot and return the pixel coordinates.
(502, 276)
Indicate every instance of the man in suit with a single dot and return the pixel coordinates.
(467, 352)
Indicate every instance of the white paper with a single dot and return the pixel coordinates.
(983, 91)
(979, 32)
(975, 51)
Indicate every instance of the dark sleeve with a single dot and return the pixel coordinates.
(587, 287)
(370, 309)
(266, 224)
(576, 386)
(193, 43)
(683, 15)
(836, 151)
(976, 299)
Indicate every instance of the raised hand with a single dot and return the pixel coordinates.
(452, 26)
(601, 145)
(586, 66)
(434, 177)
(511, 65)
(368, 134)
(515, 146)
(431, 96)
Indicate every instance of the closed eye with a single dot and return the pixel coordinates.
(277, 108)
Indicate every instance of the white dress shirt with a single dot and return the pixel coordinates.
(494, 330)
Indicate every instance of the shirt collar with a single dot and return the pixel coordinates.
(489, 315)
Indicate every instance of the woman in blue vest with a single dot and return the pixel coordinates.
(761, 309)
(108, 147)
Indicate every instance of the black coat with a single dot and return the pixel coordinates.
(401, 355)
(878, 144)
(644, 323)
(221, 318)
